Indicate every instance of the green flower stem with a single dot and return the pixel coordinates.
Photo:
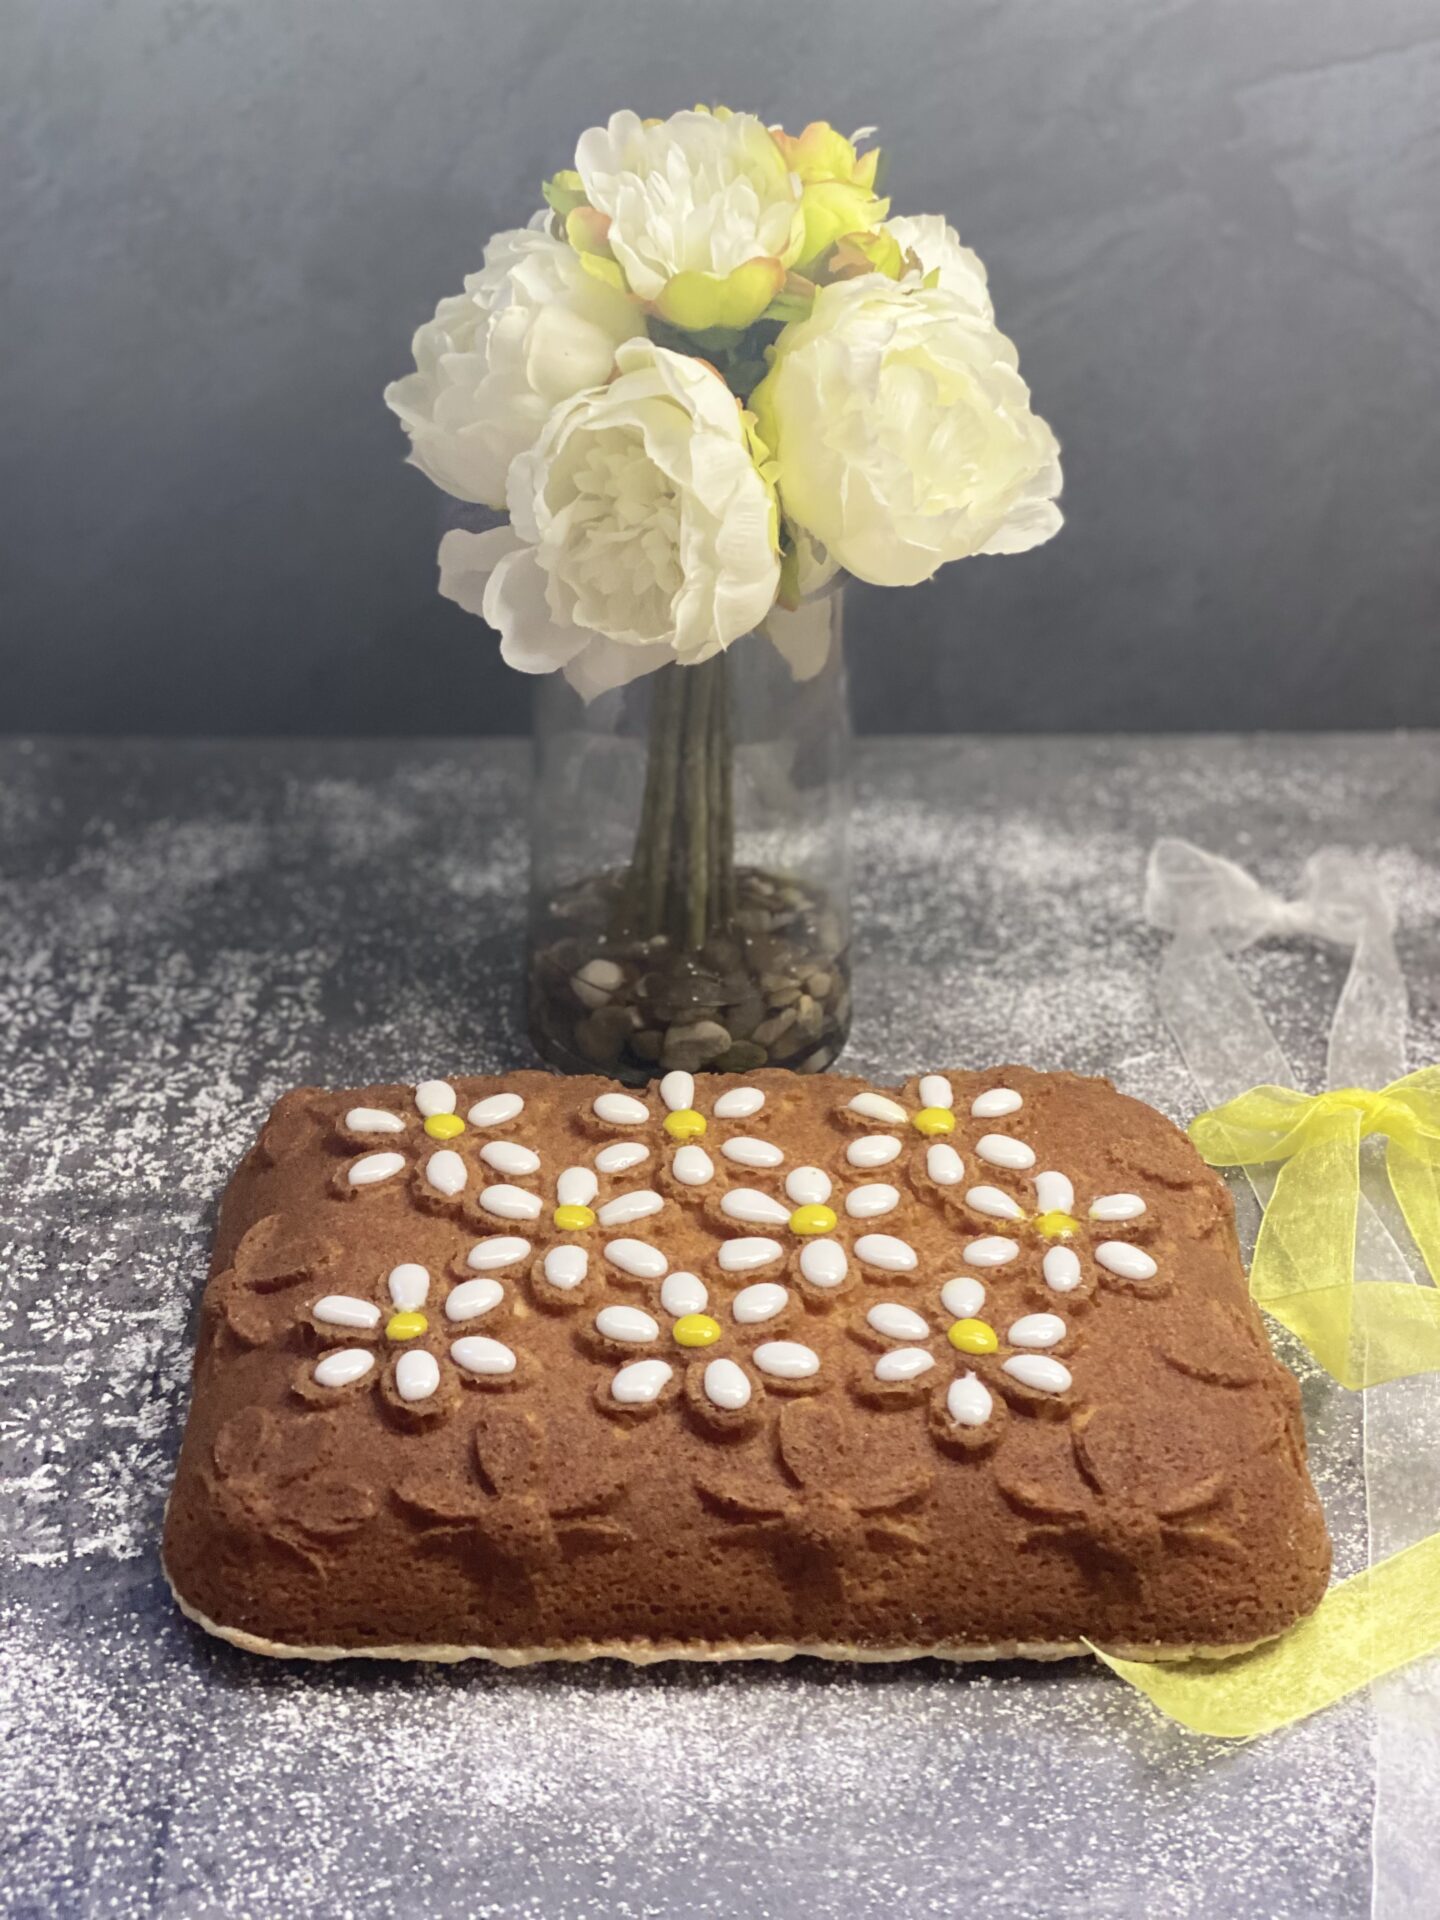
(682, 871)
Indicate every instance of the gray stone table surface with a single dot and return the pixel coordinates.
(188, 928)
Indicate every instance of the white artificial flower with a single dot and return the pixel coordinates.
(936, 245)
(699, 194)
(902, 432)
(641, 530)
(531, 329)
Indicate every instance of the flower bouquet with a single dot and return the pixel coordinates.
(711, 375)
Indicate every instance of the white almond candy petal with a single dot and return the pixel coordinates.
(1054, 1193)
(1129, 1263)
(1117, 1206)
(992, 1201)
(478, 1354)
(409, 1286)
(576, 1187)
(344, 1368)
(739, 1103)
(472, 1298)
(417, 1375)
(936, 1091)
(621, 1110)
(875, 1150)
(508, 1156)
(868, 1203)
(808, 1186)
(627, 1207)
(875, 1106)
(1039, 1371)
(962, 1297)
(903, 1363)
(677, 1090)
(566, 1267)
(751, 1153)
(372, 1120)
(496, 1110)
(376, 1167)
(969, 1401)
(344, 1310)
(684, 1293)
(743, 1256)
(883, 1250)
(753, 1208)
(1001, 1151)
(823, 1262)
(760, 1302)
(1061, 1267)
(692, 1166)
(621, 1156)
(1037, 1330)
(641, 1382)
(944, 1165)
(991, 1251)
(626, 1323)
(435, 1096)
(510, 1203)
(445, 1171)
(726, 1385)
(995, 1104)
(896, 1322)
(501, 1250)
(786, 1359)
(637, 1259)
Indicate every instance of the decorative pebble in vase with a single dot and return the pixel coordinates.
(713, 377)
(689, 873)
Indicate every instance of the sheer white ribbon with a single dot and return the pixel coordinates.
(1215, 909)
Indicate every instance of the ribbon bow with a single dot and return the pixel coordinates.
(1304, 1267)
(1318, 1225)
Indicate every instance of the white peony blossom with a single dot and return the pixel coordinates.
(936, 245)
(531, 329)
(699, 194)
(641, 531)
(902, 432)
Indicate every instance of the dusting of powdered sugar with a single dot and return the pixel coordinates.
(187, 931)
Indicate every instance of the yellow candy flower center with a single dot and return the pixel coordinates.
(696, 1330)
(1056, 1225)
(444, 1126)
(687, 1124)
(932, 1120)
(574, 1219)
(814, 1219)
(405, 1326)
(973, 1336)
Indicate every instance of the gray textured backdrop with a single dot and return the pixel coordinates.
(1211, 226)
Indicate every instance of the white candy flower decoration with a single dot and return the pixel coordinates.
(531, 329)
(902, 432)
(641, 531)
(406, 1328)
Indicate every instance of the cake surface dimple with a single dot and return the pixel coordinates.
(538, 1367)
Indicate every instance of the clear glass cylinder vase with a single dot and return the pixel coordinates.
(690, 880)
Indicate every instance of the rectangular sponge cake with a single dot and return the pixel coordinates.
(539, 1368)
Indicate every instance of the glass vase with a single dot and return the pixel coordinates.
(690, 885)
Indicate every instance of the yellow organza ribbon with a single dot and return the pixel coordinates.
(1365, 1627)
(1304, 1267)
(1361, 1333)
